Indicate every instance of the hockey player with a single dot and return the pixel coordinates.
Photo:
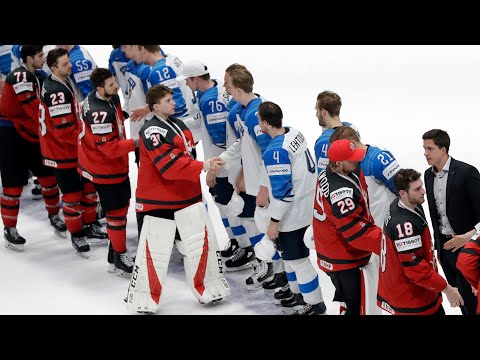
(137, 74)
(117, 64)
(327, 108)
(344, 230)
(20, 148)
(82, 67)
(213, 104)
(59, 129)
(252, 179)
(291, 171)
(103, 159)
(379, 166)
(409, 282)
(168, 197)
(5, 63)
(468, 262)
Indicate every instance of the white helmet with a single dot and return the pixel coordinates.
(262, 219)
(308, 238)
(265, 249)
(235, 205)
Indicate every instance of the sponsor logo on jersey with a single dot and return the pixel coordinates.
(82, 76)
(22, 87)
(322, 163)
(282, 169)
(258, 131)
(391, 170)
(216, 118)
(410, 243)
(139, 206)
(340, 194)
(326, 265)
(155, 130)
(102, 128)
(50, 163)
(171, 83)
(86, 175)
(58, 110)
(387, 307)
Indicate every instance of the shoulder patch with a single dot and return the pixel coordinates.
(391, 170)
(340, 194)
(22, 87)
(155, 130)
(410, 243)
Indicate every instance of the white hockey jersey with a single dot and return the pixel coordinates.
(137, 76)
(291, 170)
(379, 166)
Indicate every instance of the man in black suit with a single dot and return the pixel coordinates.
(453, 191)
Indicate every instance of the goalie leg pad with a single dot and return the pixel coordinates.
(151, 264)
(369, 286)
(202, 261)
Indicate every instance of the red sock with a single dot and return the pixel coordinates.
(89, 203)
(72, 211)
(51, 194)
(10, 205)
(117, 228)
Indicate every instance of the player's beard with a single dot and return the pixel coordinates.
(112, 94)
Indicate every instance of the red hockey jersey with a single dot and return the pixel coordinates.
(344, 230)
(19, 102)
(168, 177)
(103, 149)
(59, 124)
(409, 283)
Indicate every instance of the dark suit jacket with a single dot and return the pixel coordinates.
(463, 198)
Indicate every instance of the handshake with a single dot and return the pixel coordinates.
(213, 164)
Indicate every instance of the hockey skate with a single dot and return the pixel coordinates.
(124, 264)
(232, 246)
(293, 304)
(101, 214)
(80, 244)
(242, 259)
(279, 280)
(95, 234)
(13, 240)
(263, 271)
(308, 309)
(283, 294)
(111, 261)
(36, 190)
(58, 225)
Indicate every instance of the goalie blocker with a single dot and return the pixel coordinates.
(202, 261)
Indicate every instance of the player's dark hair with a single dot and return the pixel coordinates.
(403, 178)
(99, 76)
(271, 113)
(439, 138)
(241, 78)
(344, 132)
(152, 48)
(30, 50)
(329, 101)
(54, 55)
(156, 93)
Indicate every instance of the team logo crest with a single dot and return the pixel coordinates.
(352, 146)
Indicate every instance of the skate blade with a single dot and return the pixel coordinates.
(14, 247)
(97, 242)
(270, 291)
(112, 270)
(37, 197)
(239, 268)
(62, 234)
(84, 255)
(123, 274)
(254, 287)
(291, 310)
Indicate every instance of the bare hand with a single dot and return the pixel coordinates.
(453, 296)
(272, 231)
(211, 179)
(240, 183)
(213, 164)
(262, 197)
(139, 113)
(474, 291)
(457, 242)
